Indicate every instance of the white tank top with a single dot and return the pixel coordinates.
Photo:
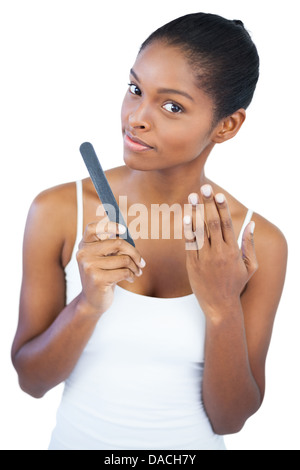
(137, 384)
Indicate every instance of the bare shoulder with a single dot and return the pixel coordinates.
(268, 237)
(264, 289)
(271, 251)
(269, 240)
(52, 215)
(58, 197)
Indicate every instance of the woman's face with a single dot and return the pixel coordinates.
(165, 110)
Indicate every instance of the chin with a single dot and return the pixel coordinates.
(134, 165)
(143, 162)
(139, 162)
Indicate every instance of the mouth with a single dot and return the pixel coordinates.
(135, 144)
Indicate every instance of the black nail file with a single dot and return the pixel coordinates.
(103, 189)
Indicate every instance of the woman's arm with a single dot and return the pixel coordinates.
(50, 335)
(238, 327)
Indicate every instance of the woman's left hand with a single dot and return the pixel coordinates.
(218, 271)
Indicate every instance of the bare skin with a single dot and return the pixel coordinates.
(51, 335)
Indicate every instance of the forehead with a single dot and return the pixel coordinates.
(166, 66)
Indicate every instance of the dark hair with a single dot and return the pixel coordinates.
(222, 55)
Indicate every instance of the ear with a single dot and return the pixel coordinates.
(228, 127)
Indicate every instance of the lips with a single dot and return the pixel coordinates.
(135, 144)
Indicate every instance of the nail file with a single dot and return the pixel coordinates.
(103, 189)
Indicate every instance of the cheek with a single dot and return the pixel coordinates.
(127, 109)
(124, 110)
(185, 140)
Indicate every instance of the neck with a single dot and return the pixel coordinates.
(171, 185)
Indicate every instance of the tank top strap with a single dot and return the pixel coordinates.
(246, 222)
(79, 212)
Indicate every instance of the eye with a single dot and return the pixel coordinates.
(134, 90)
(173, 108)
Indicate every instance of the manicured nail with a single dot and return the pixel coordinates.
(139, 273)
(142, 263)
(206, 190)
(252, 227)
(220, 198)
(187, 219)
(121, 228)
(193, 198)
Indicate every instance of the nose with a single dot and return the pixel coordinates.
(139, 118)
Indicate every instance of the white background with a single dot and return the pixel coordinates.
(64, 71)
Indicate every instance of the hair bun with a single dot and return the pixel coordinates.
(239, 22)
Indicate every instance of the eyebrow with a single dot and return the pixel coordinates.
(165, 90)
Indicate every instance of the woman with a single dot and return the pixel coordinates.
(161, 345)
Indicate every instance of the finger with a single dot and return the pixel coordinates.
(226, 221)
(212, 217)
(110, 246)
(193, 199)
(119, 246)
(197, 211)
(189, 235)
(108, 229)
(102, 229)
(116, 262)
(248, 249)
(117, 275)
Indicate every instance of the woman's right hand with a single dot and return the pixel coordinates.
(104, 260)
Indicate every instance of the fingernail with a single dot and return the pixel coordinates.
(206, 190)
(193, 198)
(220, 198)
(139, 273)
(187, 219)
(142, 263)
(121, 228)
(252, 227)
